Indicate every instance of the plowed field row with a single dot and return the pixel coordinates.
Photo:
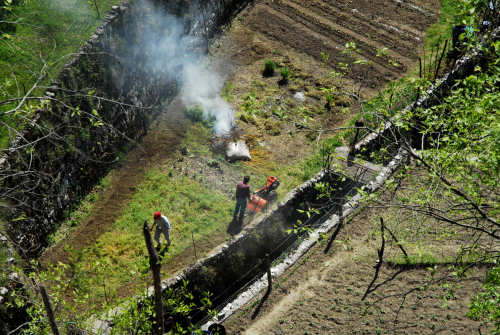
(402, 41)
(325, 27)
(300, 38)
(316, 28)
(414, 14)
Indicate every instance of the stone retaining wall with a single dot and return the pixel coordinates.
(100, 104)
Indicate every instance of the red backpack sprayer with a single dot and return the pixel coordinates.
(263, 195)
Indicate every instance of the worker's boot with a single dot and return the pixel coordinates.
(240, 221)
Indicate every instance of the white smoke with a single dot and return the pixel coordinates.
(202, 87)
(172, 52)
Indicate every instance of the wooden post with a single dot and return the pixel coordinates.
(440, 59)
(49, 310)
(420, 67)
(194, 247)
(155, 265)
(352, 146)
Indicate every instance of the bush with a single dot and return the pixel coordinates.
(269, 68)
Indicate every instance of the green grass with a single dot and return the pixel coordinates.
(48, 32)
(441, 30)
(196, 138)
(192, 208)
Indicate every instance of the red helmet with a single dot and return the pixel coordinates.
(157, 215)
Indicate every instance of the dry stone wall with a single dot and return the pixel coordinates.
(102, 101)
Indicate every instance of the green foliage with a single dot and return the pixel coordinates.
(46, 32)
(285, 74)
(269, 68)
(178, 304)
(467, 150)
(251, 107)
(486, 305)
(442, 28)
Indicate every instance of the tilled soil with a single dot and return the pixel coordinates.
(322, 294)
(316, 27)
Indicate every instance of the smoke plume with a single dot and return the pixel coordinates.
(173, 52)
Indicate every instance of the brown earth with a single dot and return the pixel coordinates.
(322, 293)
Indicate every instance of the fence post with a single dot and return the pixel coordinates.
(352, 146)
(194, 247)
(155, 265)
(49, 310)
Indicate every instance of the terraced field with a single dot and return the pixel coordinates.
(308, 37)
(314, 28)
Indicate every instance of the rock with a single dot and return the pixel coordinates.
(1, 299)
(11, 260)
(14, 276)
(4, 290)
(237, 151)
(299, 96)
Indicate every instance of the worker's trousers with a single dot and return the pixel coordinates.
(241, 206)
(166, 233)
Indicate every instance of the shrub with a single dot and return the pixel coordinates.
(269, 68)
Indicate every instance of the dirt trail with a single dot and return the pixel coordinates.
(159, 144)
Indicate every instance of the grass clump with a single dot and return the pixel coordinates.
(285, 75)
(269, 68)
